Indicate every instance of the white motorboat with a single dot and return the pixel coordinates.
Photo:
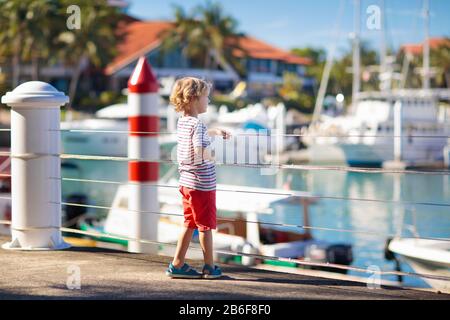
(107, 133)
(256, 131)
(427, 257)
(424, 256)
(366, 137)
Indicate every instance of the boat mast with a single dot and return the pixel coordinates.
(385, 73)
(426, 47)
(328, 66)
(356, 54)
(383, 39)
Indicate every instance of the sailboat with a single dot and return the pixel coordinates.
(382, 126)
(366, 137)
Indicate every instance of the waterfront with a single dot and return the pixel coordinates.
(382, 218)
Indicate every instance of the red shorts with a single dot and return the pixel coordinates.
(199, 208)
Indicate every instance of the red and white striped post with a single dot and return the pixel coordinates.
(143, 117)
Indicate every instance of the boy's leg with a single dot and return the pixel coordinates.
(206, 241)
(182, 247)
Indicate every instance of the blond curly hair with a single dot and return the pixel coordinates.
(185, 90)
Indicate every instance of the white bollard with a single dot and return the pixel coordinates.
(280, 127)
(398, 131)
(398, 162)
(35, 147)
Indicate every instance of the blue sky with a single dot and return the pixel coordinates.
(299, 23)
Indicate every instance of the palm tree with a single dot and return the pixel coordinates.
(440, 57)
(95, 41)
(41, 33)
(341, 76)
(410, 64)
(439, 61)
(12, 17)
(205, 36)
(318, 60)
(25, 32)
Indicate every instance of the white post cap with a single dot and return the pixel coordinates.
(35, 94)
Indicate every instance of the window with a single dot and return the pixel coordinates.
(264, 65)
(253, 65)
(280, 68)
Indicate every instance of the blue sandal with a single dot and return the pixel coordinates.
(186, 271)
(211, 272)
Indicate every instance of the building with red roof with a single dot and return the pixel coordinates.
(416, 49)
(264, 64)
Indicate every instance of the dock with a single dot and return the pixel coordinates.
(112, 274)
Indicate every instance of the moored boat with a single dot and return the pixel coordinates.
(425, 256)
(239, 230)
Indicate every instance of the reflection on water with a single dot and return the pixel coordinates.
(383, 218)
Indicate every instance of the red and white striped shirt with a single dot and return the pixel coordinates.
(195, 173)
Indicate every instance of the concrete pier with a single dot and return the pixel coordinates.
(111, 274)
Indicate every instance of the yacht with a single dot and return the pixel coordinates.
(367, 137)
(392, 127)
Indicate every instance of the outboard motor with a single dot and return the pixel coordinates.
(74, 213)
(337, 254)
(340, 254)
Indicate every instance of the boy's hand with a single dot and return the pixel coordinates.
(220, 132)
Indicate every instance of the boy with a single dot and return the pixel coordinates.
(197, 177)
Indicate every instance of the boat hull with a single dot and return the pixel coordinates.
(374, 154)
(430, 257)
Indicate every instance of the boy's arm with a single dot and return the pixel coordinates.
(218, 132)
(201, 153)
(211, 132)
